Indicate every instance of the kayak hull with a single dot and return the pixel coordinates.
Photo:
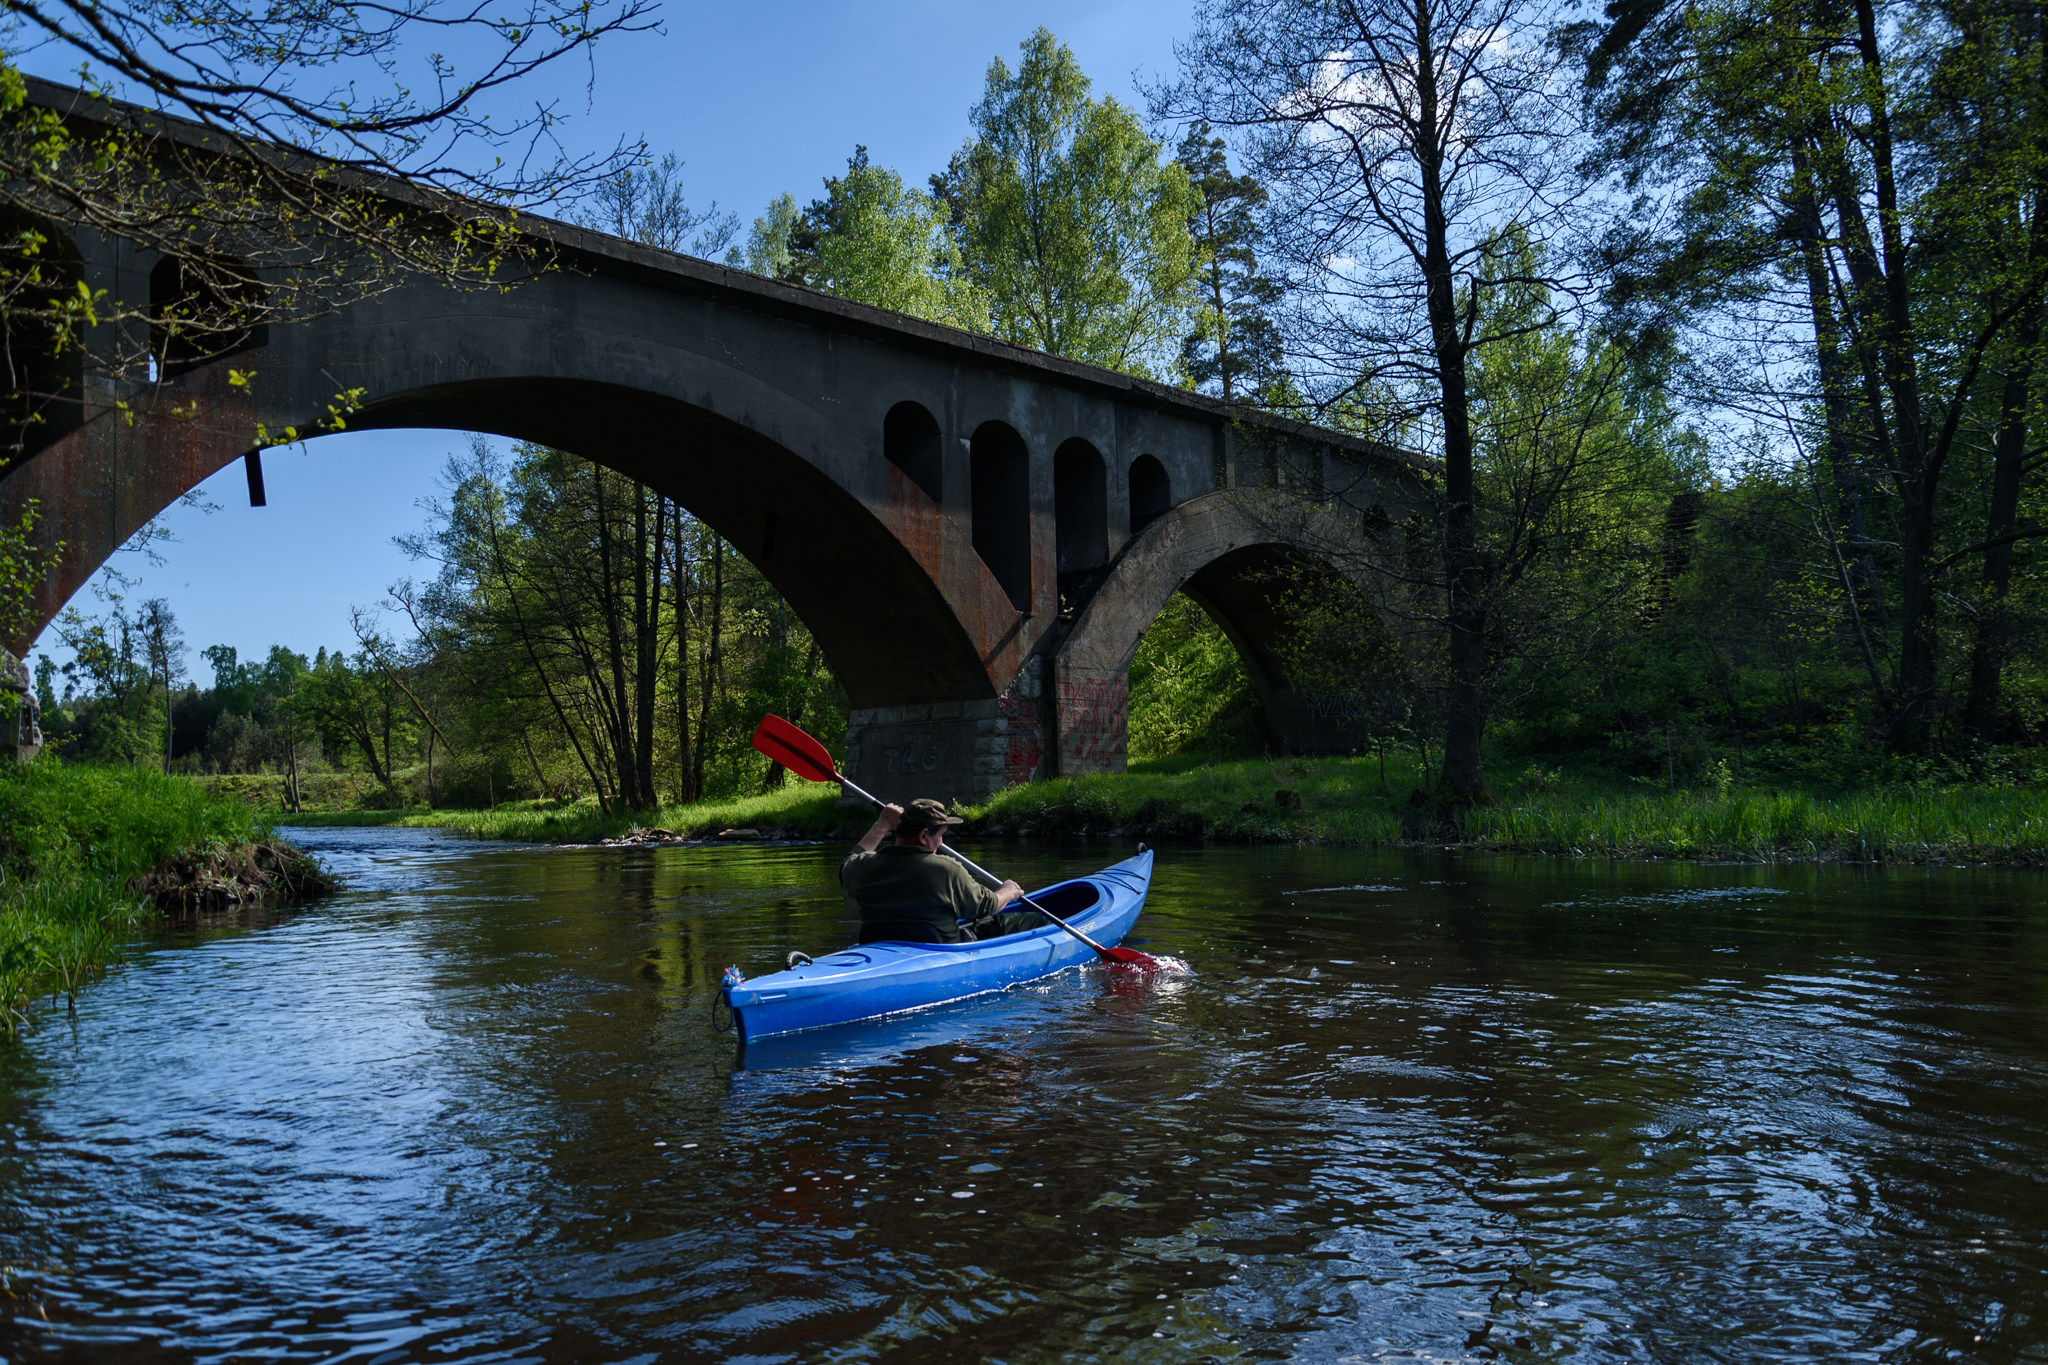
(872, 979)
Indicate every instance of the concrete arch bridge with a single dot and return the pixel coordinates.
(976, 534)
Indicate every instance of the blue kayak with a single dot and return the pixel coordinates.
(888, 978)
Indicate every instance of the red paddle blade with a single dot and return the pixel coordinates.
(1129, 957)
(795, 750)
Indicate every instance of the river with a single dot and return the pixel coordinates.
(1401, 1108)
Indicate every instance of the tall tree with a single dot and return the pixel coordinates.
(1402, 137)
(1859, 181)
(163, 649)
(646, 204)
(1069, 220)
(1234, 343)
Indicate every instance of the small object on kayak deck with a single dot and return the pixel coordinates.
(872, 979)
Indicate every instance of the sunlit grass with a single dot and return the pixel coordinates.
(1351, 801)
(802, 810)
(71, 837)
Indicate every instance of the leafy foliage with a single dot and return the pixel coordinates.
(1069, 219)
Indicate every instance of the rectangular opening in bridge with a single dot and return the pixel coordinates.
(1080, 506)
(1001, 469)
(910, 441)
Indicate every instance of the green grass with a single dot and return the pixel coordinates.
(1958, 824)
(1343, 801)
(71, 837)
(798, 810)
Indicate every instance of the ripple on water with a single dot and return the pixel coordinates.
(473, 1110)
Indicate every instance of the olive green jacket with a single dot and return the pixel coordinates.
(904, 885)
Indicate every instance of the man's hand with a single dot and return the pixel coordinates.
(884, 824)
(1008, 894)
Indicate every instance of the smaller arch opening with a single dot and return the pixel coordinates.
(1001, 472)
(203, 307)
(1080, 505)
(44, 372)
(1151, 492)
(910, 441)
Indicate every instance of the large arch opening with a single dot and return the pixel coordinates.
(1247, 637)
(1080, 500)
(910, 441)
(1329, 675)
(850, 601)
(882, 622)
(1265, 647)
(203, 307)
(1001, 471)
(1151, 492)
(44, 372)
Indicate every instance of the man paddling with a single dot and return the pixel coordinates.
(907, 891)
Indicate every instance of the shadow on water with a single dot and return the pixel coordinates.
(1405, 1109)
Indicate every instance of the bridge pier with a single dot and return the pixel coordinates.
(957, 751)
(1091, 718)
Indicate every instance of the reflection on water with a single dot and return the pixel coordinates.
(1404, 1110)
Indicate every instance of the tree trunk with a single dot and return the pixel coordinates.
(1992, 647)
(619, 713)
(1988, 654)
(1849, 540)
(1918, 477)
(715, 638)
(1465, 575)
(646, 639)
(686, 775)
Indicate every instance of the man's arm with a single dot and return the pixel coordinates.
(884, 826)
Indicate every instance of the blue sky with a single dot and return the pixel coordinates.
(757, 100)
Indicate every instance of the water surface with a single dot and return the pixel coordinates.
(1405, 1109)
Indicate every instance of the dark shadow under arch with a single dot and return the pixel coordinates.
(1257, 595)
(42, 382)
(203, 307)
(1151, 492)
(1002, 508)
(910, 441)
(1080, 500)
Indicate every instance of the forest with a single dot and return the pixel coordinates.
(1720, 328)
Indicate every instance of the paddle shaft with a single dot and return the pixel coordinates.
(978, 870)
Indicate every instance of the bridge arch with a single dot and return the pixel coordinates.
(1228, 550)
(203, 306)
(764, 407)
(871, 595)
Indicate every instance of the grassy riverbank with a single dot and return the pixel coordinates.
(72, 838)
(798, 811)
(1342, 801)
(1350, 801)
